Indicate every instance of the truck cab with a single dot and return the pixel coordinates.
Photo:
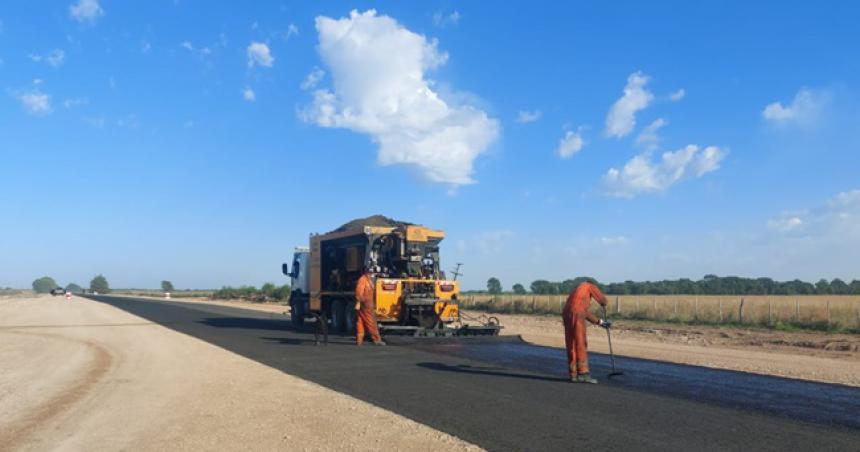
(299, 274)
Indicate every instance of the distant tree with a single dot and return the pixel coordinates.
(543, 287)
(838, 287)
(99, 284)
(44, 284)
(74, 288)
(268, 289)
(519, 289)
(822, 287)
(494, 286)
(166, 286)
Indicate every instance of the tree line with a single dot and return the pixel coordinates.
(709, 285)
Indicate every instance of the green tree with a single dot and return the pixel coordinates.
(100, 284)
(166, 286)
(74, 288)
(494, 286)
(268, 289)
(822, 287)
(519, 289)
(44, 284)
(838, 287)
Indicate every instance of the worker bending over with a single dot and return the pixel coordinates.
(365, 320)
(574, 315)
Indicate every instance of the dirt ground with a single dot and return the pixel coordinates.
(817, 356)
(81, 375)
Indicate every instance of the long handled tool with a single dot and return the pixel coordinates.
(614, 372)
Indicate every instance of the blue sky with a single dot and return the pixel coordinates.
(201, 142)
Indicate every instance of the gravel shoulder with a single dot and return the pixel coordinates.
(82, 375)
(815, 356)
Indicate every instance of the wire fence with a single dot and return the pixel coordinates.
(815, 311)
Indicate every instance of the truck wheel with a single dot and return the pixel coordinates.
(350, 315)
(297, 310)
(338, 316)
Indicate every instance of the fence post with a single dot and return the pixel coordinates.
(797, 310)
(696, 309)
(618, 307)
(676, 308)
(721, 310)
(770, 312)
(829, 321)
(654, 300)
(637, 306)
(741, 312)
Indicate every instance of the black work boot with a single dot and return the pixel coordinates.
(585, 378)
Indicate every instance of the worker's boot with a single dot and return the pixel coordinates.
(379, 342)
(585, 378)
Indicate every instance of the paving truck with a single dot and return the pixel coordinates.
(412, 294)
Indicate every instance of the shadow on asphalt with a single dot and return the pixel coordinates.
(486, 371)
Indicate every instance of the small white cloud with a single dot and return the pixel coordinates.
(248, 94)
(187, 45)
(621, 118)
(145, 46)
(292, 30)
(641, 175)
(381, 89)
(258, 54)
(649, 138)
(570, 144)
(442, 20)
(804, 109)
(86, 11)
(677, 95)
(98, 122)
(617, 240)
(54, 58)
(312, 79)
(492, 242)
(71, 103)
(36, 103)
(525, 116)
(786, 224)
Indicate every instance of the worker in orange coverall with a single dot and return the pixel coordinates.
(365, 320)
(574, 315)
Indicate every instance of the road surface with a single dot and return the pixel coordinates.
(508, 395)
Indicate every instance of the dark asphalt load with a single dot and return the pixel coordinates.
(508, 395)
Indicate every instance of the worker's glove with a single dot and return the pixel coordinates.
(604, 323)
(357, 305)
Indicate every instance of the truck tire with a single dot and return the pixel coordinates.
(297, 309)
(338, 316)
(350, 316)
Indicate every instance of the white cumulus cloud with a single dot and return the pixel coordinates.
(648, 137)
(622, 116)
(441, 19)
(570, 144)
(642, 175)
(677, 95)
(618, 240)
(259, 54)
(378, 70)
(54, 58)
(804, 109)
(313, 78)
(525, 116)
(786, 223)
(86, 11)
(248, 94)
(36, 103)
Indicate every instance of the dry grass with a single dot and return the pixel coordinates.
(786, 311)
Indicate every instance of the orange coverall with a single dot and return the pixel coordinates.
(574, 315)
(366, 318)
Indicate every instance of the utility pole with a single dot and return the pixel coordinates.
(456, 272)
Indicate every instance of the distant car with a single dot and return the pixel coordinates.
(58, 291)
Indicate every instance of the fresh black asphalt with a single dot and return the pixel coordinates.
(509, 395)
